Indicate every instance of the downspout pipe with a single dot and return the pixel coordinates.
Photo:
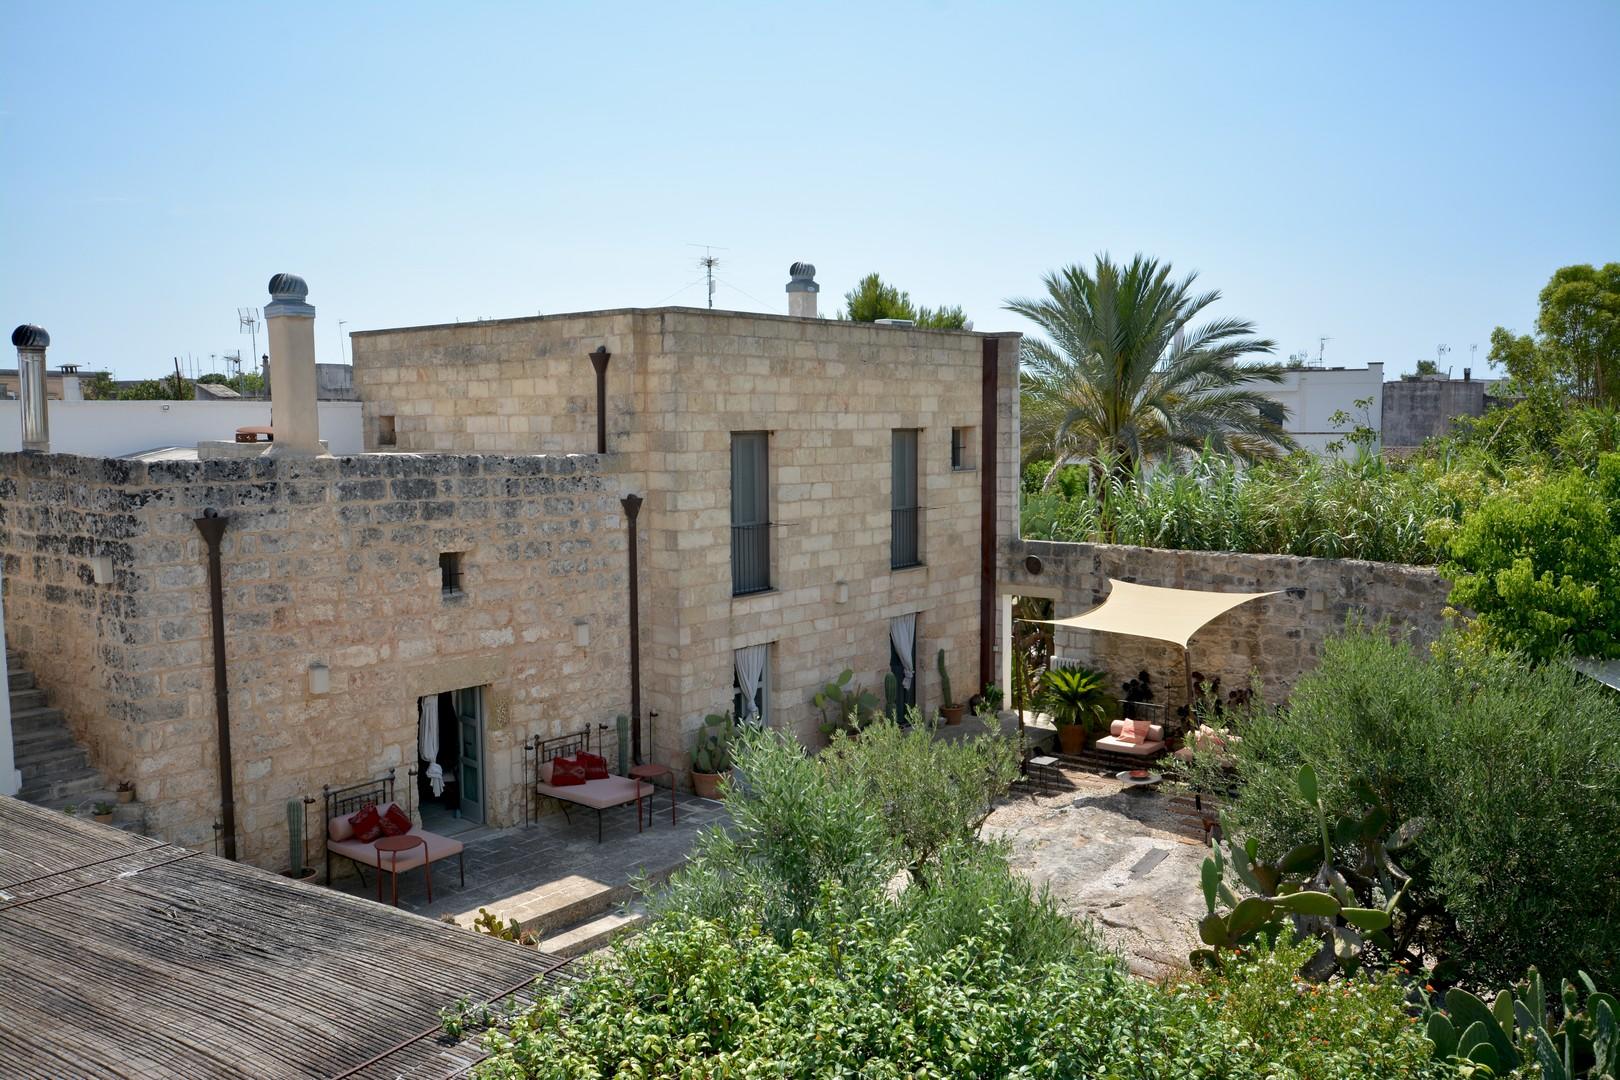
(987, 510)
(632, 507)
(212, 527)
(599, 361)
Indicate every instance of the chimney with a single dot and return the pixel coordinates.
(71, 391)
(290, 323)
(802, 290)
(31, 342)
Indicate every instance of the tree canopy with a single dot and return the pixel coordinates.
(1126, 377)
(875, 299)
(1576, 347)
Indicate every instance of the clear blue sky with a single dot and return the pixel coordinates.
(1392, 176)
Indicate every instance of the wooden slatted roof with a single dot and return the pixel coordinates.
(124, 956)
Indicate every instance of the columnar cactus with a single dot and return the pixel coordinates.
(945, 682)
(295, 836)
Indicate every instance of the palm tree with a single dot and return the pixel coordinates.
(1124, 378)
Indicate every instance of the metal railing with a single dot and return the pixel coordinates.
(906, 537)
(750, 558)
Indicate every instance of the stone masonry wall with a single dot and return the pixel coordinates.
(1277, 638)
(330, 561)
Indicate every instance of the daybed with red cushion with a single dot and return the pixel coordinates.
(566, 770)
(371, 807)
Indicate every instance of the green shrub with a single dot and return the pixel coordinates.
(1510, 769)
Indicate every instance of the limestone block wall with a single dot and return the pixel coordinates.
(1277, 638)
(511, 386)
(331, 561)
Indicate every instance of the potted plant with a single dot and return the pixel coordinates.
(950, 709)
(711, 757)
(126, 791)
(843, 707)
(71, 809)
(1076, 701)
(103, 812)
(296, 869)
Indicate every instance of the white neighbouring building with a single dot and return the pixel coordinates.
(1309, 398)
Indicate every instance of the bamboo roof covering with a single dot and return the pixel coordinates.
(124, 956)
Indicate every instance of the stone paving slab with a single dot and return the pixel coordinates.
(550, 873)
(1115, 856)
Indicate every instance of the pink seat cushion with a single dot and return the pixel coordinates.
(598, 794)
(1135, 749)
(438, 847)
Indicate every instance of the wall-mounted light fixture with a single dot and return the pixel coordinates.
(320, 678)
(101, 569)
(582, 633)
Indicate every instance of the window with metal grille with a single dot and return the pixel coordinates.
(450, 573)
(750, 513)
(906, 514)
(961, 448)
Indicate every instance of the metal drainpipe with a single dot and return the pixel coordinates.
(987, 512)
(632, 507)
(599, 361)
(212, 527)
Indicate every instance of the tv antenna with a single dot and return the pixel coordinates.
(1440, 355)
(708, 262)
(1321, 347)
(247, 319)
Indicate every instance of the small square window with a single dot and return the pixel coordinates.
(385, 431)
(961, 448)
(450, 573)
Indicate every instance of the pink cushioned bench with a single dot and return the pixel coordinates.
(342, 804)
(1138, 738)
(598, 795)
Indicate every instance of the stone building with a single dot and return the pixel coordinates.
(804, 495)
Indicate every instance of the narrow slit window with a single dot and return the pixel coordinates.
(385, 431)
(961, 448)
(450, 573)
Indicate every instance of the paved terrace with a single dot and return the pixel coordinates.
(552, 876)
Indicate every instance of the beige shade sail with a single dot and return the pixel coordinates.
(1152, 612)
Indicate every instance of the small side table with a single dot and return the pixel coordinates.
(395, 845)
(650, 772)
(1044, 774)
(1139, 783)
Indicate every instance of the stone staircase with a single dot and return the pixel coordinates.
(56, 770)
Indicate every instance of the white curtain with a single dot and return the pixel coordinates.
(903, 632)
(751, 677)
(427, 742)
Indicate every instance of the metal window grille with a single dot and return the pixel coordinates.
(905, 513)
(450, 573)
(750, 513)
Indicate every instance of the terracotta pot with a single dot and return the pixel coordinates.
(706, 784)
(105, 819)
(126, 795)
(953, 713)
(307, 875)
(1072, 738)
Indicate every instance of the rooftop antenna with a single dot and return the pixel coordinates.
(708, 262)
(1321, 347)
(1440, 355)
(247, 318)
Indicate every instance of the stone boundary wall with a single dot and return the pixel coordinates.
(331, 561)
(1277, 638)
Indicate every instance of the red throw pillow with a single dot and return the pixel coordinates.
(595, 765)
(566, 772)
(395, 822)
(367, 824)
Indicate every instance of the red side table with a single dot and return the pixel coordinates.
(650, 772)
(395, 845)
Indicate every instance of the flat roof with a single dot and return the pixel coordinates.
(722, 312)
(126, 956)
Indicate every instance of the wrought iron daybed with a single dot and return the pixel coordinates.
(343, 802)
(598, 795)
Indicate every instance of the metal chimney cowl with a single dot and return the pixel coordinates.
(31, 342)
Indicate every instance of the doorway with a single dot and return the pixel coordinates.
(903, 663)
(453, 800)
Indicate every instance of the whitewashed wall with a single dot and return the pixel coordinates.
(120, 428)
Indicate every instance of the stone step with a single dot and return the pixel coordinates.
(27, 699)
(63, 791)
(19, 680)
(586, 905)
(41, 741)
(593, 934)
(59, 764)
(36, 719)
